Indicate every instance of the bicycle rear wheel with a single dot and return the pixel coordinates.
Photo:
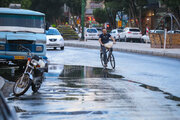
(112, 61)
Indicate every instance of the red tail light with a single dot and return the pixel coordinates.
(37, 65)
(129, 32)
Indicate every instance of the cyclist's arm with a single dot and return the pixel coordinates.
(114, 41)
(100, 42)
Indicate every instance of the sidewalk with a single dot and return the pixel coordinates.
(140, 48)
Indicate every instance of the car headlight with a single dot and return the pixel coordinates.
(39, 48)
(2, 47)
(61, 39)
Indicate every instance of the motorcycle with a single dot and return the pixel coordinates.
(33, 74)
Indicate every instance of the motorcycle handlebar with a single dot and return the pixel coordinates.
(21, 47)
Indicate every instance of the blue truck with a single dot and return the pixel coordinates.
(21, 27)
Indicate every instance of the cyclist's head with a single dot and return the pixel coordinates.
(104, 30)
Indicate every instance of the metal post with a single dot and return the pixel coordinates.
(165, 34)
(82, 18)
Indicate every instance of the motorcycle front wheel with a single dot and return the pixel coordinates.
(21, 86)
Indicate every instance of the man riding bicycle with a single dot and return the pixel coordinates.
(103, 39)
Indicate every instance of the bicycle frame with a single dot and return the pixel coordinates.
(109, 53)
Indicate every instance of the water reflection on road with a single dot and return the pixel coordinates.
(80, 92)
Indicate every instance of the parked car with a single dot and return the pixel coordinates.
(145, 38)
(131, 34)
(99, 30)
(91, 33)
(115, 33)
(157, 31)
(54, 39)
(174, 31)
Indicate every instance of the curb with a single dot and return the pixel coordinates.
(2, 82)
(163, 54)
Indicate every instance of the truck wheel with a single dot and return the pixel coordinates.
(62, 48)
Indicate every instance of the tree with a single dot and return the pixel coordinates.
(100, 15)
(75, 8)
(24, 3)
(173, 6)
(52, 9)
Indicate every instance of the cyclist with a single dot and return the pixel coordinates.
(103, 39)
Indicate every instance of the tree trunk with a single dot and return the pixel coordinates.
(140, 17)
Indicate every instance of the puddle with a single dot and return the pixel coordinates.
(168, 95)
(79, 72)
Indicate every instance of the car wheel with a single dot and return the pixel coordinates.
(62, 48)
(54, 48)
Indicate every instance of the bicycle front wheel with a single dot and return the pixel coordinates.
(112, 61)
(102, 58)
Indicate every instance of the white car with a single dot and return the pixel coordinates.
(54, 39)
(157, 31)
(174, 31)
(115, 33)
(91, 34)
(145, 38)
(131, 34)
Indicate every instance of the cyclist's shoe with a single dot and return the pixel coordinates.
(105, 65)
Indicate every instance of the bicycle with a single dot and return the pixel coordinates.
(110, 57)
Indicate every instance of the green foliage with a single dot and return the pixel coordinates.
(52, 8)
(24, 3)
(75, 6)
(68, 32)
(171, 3)
(100, 15)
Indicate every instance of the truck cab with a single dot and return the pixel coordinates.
(21, 27)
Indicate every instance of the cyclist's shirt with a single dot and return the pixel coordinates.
(105, 38)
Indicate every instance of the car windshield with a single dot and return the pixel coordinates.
(22, 21)
(119, 31)
(91, 30)
(52, 32)
(134, 30)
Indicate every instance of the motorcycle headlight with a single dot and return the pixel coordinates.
(34, 62)
(2, 47)
(39, 48)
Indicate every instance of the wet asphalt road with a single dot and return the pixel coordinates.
(77, 87)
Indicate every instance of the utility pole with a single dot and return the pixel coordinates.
(82, 18)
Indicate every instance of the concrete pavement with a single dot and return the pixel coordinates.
(6, 87)
(2, 82)
(140, 48)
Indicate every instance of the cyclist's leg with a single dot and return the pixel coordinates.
(104, 53)
(111, 50)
